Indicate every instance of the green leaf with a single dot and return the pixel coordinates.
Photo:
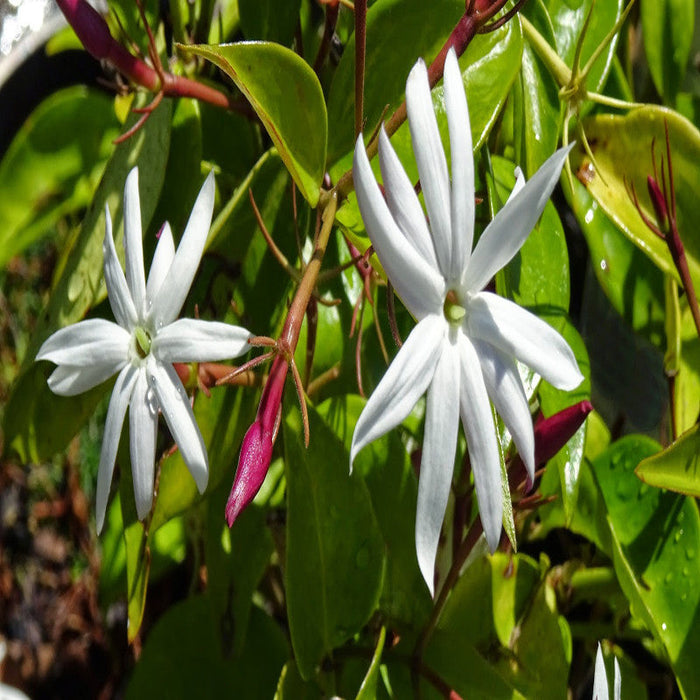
(568, 459)
(676, 468)
(632, 283)
(335, 554)
(53, 165)
(269, 20)
(182, 657)
(30, 429)
(568, 18)
(368, 689)
(667, 28)
(655, 540)
(536, 109)
(291, 686)
(286, 95)
(386, 468)
(622, 149)
(687, 383)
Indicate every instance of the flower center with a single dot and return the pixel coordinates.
(143, 341)
(453, 309)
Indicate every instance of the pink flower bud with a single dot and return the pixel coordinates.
(551, 434)
(658, 202)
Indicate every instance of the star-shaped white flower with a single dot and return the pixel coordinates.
(142, 345)
(464, 348)
(600, 679)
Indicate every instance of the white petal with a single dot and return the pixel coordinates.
(192, 340)
(162, 260)
(462, 193)
(402, 385)
(177, 283)
(403, 201)
(520, 334)
(66, 380)
(133, 241)
(600, 679)
(617, 687)
(91, 343)
(437, 462)
(420, 286)
(118, 291)
(175, 406)
(118, 404)
(482, 444)
(505, 235)
(505, 389)
(430, 158)
(143, 427)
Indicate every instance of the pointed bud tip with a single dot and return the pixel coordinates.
(253, 463)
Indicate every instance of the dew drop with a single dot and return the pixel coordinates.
(625, 489)
(677, 536)
(686, 571)
(663, 626)
(668, 578)
(684, 596)
(643, 489)
(690, 553)
(617, 459)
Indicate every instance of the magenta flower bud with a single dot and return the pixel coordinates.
(658, 202)
(89, 25)
(256, 450)
(551, 434)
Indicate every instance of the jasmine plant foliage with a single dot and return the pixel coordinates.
(411, 384)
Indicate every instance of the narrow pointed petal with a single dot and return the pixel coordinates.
(175, 406)
(162, 260)
(437, 462)
(67, 380)
(505, 389)
(117, 289)
(482, 444)
(505, 235)
(403, 383)
(420, 286)
(116, 412)
(617, 687)
(600, 679)
(523, 335)
(462, 191)
(176, 285)
(143, 426)
(403, 201)
(133, 241)
(430, 158)
(90, 343)
(192, 340)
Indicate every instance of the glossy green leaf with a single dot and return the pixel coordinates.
(29, 429)
(286, 95)
(53, 165)
(291, 686)
(676, 468)
(687, 382)
(182, 657)
(269, 20)
(368, 689)
(568, 459)
(632, 283)
(335, 554)
(568, 18)
(667, 28)
(622, 149)
(656, 541)
(536, 108)
(386, 468)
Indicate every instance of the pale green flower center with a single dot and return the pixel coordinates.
(453, 309)
(142, 342)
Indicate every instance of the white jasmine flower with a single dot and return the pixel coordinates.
(463, 350)
(600, 679)
(142, 345)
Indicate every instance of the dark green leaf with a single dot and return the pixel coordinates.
(286, 95)
(335, 554)
(269, 20)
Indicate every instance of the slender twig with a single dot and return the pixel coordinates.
(360, 53)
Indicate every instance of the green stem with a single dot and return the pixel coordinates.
(555, 65)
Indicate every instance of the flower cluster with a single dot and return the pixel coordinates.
(463, 350)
